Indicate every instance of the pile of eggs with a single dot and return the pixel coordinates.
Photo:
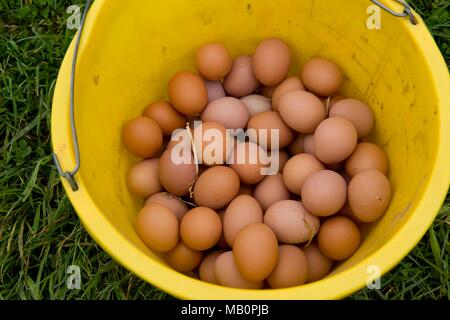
(230, 223)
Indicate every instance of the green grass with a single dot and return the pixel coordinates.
(40, 234)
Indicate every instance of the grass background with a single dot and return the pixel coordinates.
(40, 234)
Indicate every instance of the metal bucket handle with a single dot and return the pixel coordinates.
(70, 175)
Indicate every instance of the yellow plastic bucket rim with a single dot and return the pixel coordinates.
(334, 286)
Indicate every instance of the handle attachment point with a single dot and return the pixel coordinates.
(69, 176)
(407, 11)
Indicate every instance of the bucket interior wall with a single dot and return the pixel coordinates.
(136, 46)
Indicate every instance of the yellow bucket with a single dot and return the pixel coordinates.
(130, 49)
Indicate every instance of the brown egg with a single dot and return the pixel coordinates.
(330, 101)
(291, 222)
(183, 259)
(290, 84)
(157, 227)
(166, 116)
(177, 171)
(256, 104)
(369, 195)
(213, 61)
(178, 207)
(291, 269)
(263, 124)
(297, 169)
(215, 90)
(201, 228)
(143, 179)
(187, 93)
(255, 251)
(207, 269)
(271, 190)
(228, 274)
(308, 143)
(324, 193)
(366, 156)
(212, 143)
(271, 61)
(241, 212)
(318, 264)
(296, 146)
(143, 137)
(246, 189)
(334, 140)
(322, 77)
(301, 111)
(338, 238)
(228, 111)
(241, 80)
(357, 112)
(267, 91)
(247, 161)
(216, 187)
